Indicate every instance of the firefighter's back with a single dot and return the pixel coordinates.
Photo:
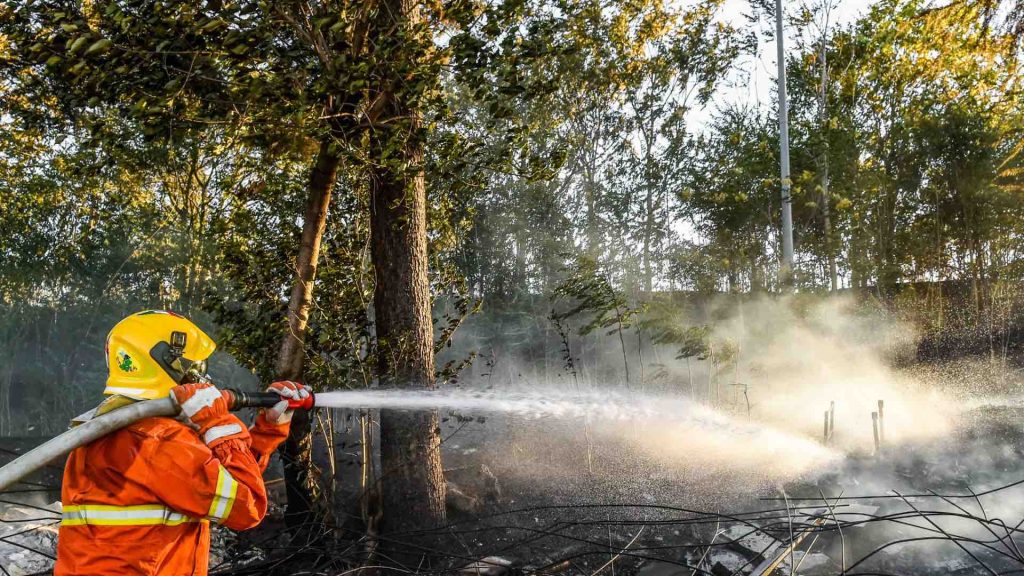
(113, 523)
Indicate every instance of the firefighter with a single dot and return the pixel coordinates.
(140, 501)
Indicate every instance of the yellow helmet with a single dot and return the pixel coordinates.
(150, 352)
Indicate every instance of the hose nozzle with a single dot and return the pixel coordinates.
(238, 400)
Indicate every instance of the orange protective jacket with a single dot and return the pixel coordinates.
(140, 501)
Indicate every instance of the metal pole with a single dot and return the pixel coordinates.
(786, 271)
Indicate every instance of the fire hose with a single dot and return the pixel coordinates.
(115, 420)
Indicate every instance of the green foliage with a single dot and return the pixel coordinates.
(729, 195)
(157, 154)
(591, 294)
(668, 325)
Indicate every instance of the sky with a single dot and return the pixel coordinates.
(754, 79)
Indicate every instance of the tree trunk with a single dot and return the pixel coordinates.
(689, 376)
(519, 272)
(826, 212)
(648, 283)
(593, 232)
(711, 370)
(300, 477)
(413, 487)
(826, 209)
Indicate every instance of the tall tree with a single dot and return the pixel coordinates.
(301, 485)
(729, 198)
(407, 69)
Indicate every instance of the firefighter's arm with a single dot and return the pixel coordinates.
(266, 437)
(214, 476)
(221, 483)
(272, 424)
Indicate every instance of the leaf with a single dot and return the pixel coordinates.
(213, 25)
(99, 46)
(78, 44)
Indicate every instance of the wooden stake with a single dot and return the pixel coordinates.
(874, 426)
(832, 420)
(881, 422)
(824, 438)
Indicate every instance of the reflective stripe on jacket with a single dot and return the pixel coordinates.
(145, 515)
(139, 501)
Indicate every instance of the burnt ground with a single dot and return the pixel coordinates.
(654, 520)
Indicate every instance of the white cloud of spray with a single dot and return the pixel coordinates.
(795, 354)
(706, 439)
(799, 355)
